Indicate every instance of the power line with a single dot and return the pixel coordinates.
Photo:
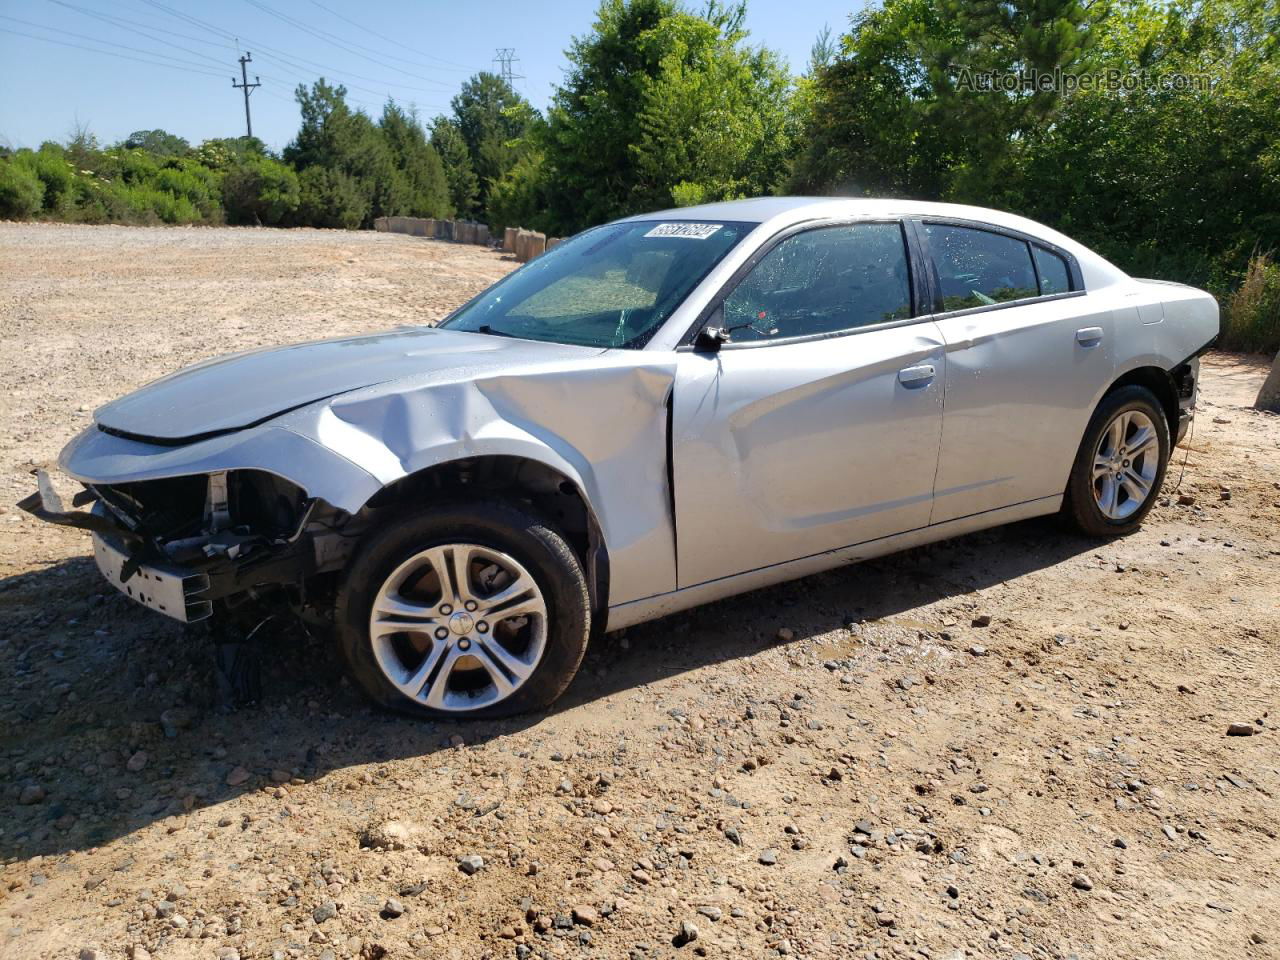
(292, 61)
(123, 23)
(108, 53)
(108, 43)
(150, 36)
(452, 65)
(248, 88)
(348, 46)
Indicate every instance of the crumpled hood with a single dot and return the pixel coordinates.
(244, 389)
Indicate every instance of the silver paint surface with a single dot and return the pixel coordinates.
(787, 458)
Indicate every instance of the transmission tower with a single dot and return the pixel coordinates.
(504, 58)
(248, 88)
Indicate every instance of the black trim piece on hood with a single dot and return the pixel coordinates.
(199, 437)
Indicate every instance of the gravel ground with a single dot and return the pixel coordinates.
(1011, 744)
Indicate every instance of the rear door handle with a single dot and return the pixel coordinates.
(916, 376)
(1089, 336)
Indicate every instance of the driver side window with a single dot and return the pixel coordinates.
(823, 281)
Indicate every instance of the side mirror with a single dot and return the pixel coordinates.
(709, 340)
(713, 335)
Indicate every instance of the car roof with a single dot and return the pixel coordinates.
(797, 209)
(781, 212)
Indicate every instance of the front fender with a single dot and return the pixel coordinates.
(602, 426)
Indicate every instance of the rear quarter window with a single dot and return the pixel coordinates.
(1054, 276)
(978, 267)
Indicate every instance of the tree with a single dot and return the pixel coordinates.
(660, 103)
(160, 142)
(902, 109)
(459, 174)
(418, 161)
(1168, 176)
(491, 119)
(331, 198)
(520, 198)
(356, 157)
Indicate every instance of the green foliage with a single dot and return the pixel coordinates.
(666, 106)
(426, 185)
(520, 197)
(56, 174)
(376, 170)
(160, 143)
(331, 198)
(220, 154)
(260, 190)
(493, 121)
(1167, 182)
(660, 104)
(459, 174)
(1251, 314)
(21, 192)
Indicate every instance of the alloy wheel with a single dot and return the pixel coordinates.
(1125, 465)
(459, 626)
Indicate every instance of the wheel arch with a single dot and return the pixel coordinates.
(1160, 382)
(551, 489)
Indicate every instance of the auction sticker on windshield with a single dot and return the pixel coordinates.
(689, 231)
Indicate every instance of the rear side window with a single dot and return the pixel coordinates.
(1054, 276)
(825, 280)
(978, 268)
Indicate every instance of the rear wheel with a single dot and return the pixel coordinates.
(465, 610)
(1121, 464)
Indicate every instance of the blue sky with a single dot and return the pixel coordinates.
(174, 59)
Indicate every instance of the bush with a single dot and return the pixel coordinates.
(1251, 314)
(519, 198)
(331, 198)
(56, 174)
(21, 192)
(261, 191)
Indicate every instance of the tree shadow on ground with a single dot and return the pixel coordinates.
(91, 681)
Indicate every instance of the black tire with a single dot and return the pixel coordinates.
(501, 526)
(1080, 506)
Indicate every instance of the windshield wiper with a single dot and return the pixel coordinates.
(485, 328)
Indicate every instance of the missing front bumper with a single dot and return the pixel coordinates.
(183, 578)
(172, 590)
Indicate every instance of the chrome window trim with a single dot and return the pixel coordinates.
(916, 278)
(1074, 274)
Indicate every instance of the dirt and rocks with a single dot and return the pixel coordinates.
(1015, 744)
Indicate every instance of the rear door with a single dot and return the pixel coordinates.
(1027, 352)
(817, 425)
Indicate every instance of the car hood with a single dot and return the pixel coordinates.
(245, 389)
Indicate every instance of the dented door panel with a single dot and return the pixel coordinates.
(787, 450)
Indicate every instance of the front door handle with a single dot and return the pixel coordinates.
(917, 376)
(1089, 336)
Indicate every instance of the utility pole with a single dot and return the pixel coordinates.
(504, 58)
(248, 88)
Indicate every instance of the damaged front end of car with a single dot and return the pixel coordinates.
(179, 545)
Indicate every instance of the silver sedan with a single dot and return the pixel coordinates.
(659, 412)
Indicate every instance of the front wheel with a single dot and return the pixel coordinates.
(464, 611)
(1120, 466)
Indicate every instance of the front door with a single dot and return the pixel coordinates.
(817, 425)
